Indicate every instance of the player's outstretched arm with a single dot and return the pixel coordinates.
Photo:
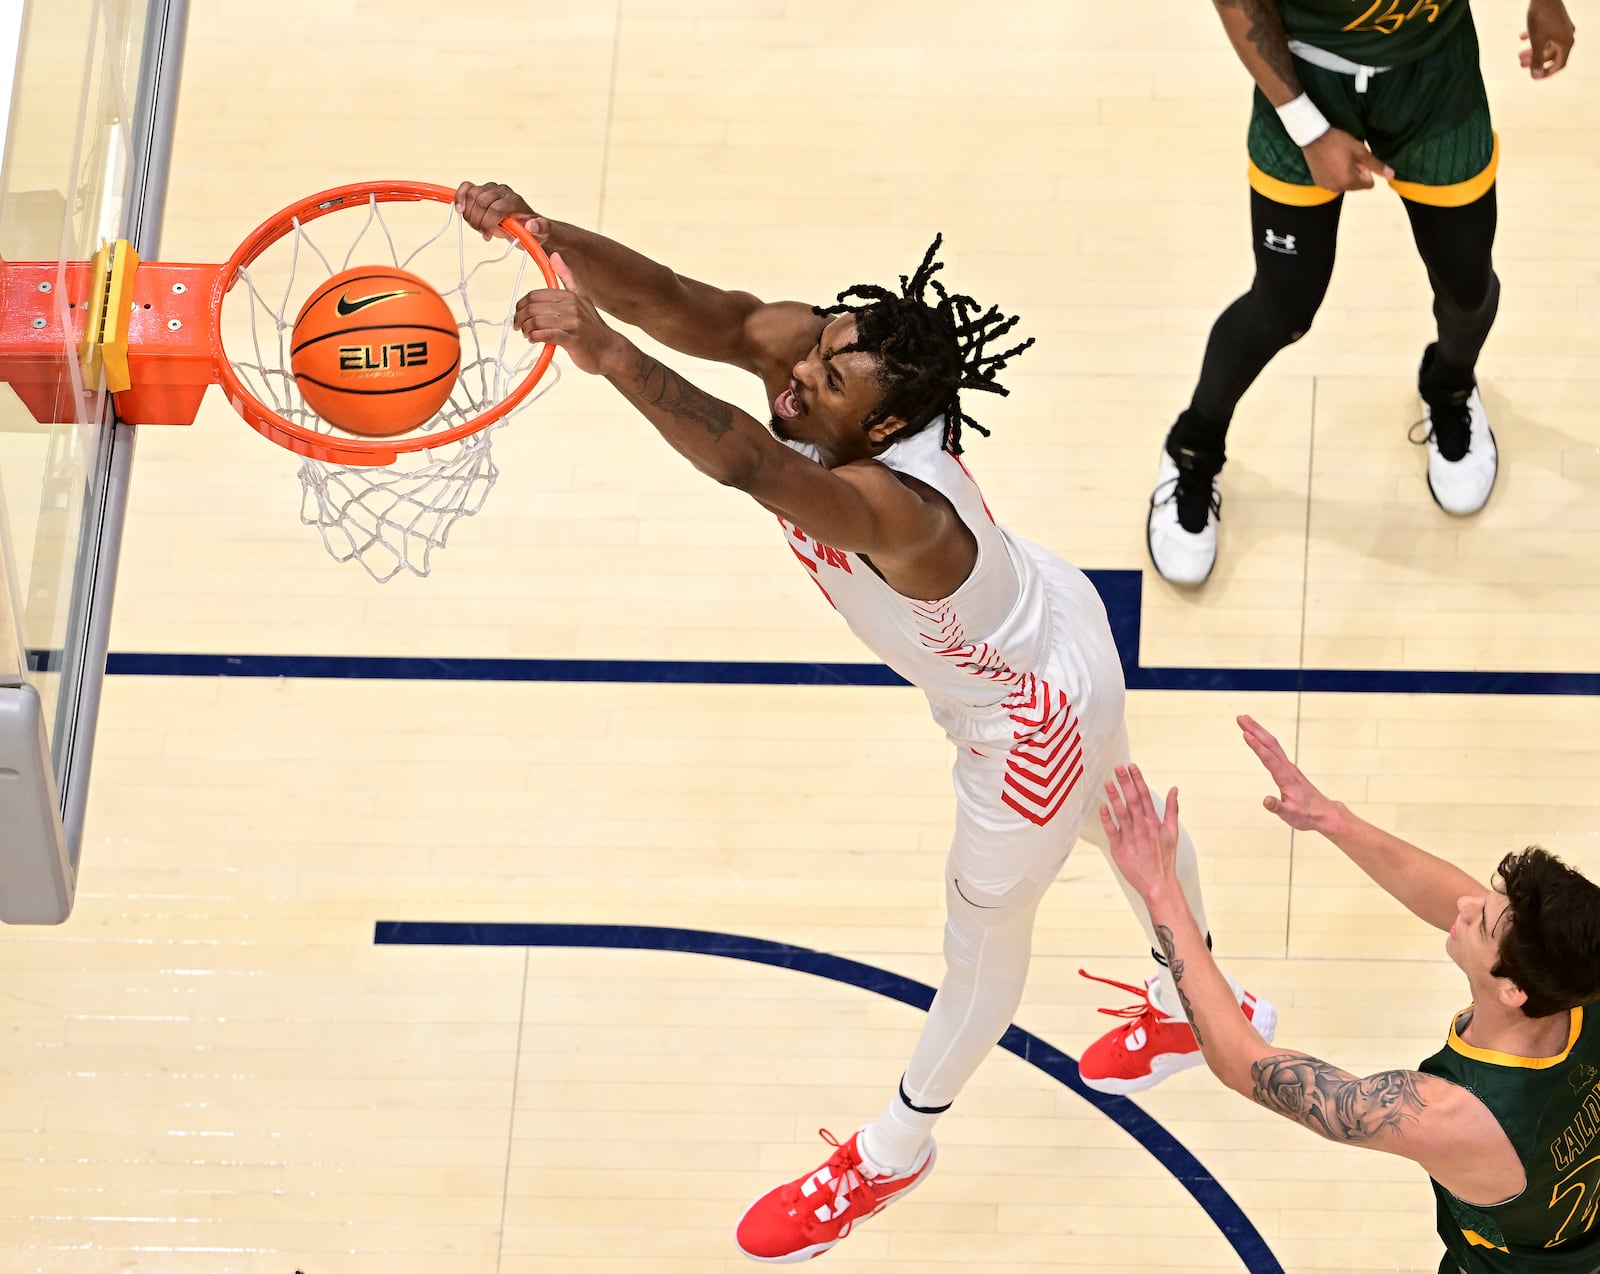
(689, 316)
(1420, 1117)
(1426, 885)
(858, 508)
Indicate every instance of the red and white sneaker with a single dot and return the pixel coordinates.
(804, 1218)
(1152, 1045)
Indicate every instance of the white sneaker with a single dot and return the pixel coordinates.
(1458, 428)
(1185, 509)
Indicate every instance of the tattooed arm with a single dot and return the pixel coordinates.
(1429, 1120)
(1335, 1104)
(1255, 28)
(860, 507)
(692, 317)
(1436, 1123)
(1144, 849)
(1338, 161)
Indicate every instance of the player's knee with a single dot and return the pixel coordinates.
(1467, 296)
(973, 904)
(1290, 323)
(1284, 331)
(1283, 320)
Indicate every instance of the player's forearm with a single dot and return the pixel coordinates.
(620, 281)
(1228, 1041)
(685, 314)
(1375, 1112)
(721, 441)
(1255, 28)
(1426, 885)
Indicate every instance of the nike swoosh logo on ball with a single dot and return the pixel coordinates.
(346, 306)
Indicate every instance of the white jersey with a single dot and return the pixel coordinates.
(1005, 660)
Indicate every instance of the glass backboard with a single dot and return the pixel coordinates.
(86, 132)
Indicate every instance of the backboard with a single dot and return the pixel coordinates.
(87, 94)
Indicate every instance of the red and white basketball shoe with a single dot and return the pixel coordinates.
(806, 1217)
(1152, 1044)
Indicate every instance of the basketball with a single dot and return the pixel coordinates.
(375, 351)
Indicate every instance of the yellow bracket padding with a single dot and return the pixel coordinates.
(105, 333)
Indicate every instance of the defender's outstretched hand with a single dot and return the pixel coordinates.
(1144, 848)
(567, 318)
(485, 207)
(1298, 802)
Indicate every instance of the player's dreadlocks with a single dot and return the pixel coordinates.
(928, 350)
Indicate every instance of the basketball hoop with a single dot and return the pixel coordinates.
(159, 334)
(386, 502)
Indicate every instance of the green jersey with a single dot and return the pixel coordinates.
(1550, 1110)
(1373, 32)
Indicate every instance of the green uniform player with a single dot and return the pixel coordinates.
(1550, 1110)
(1505, 1118)
(1388, 31)
(1348, 91)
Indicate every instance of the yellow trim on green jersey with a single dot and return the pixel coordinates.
(1286, 192)
(1477, 1240)
(1459, 1045)
(1458, 195)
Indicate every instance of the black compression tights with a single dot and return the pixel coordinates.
(1294, 251)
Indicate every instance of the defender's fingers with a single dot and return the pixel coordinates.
(1119, 807)
(1141, 791)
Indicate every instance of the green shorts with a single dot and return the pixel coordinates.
(1428, 120)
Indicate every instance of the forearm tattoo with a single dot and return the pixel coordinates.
(660, 386)
(1333, 1102)
(1267, 36)
(1169, 949)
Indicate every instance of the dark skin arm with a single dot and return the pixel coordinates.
(1338, 161)
(913, 536)
(682, 313)
(1435, 1123)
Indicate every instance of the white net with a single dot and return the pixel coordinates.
(391, 519)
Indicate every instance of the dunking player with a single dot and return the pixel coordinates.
(1505, 1118)
(1010, 644)
(1349, 90)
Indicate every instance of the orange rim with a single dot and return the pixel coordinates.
(376, 452)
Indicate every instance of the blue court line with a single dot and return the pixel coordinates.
(1217, 1203)
(1122, 591)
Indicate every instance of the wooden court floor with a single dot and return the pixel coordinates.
(213, 1068)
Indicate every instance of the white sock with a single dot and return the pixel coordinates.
(891, 1142)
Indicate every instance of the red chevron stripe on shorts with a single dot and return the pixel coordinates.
(1046, 762)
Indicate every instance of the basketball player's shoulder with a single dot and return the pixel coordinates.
(886, 485)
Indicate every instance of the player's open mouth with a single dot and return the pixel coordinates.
(786, 406)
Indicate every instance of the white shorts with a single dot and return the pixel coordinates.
(1020, 812)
